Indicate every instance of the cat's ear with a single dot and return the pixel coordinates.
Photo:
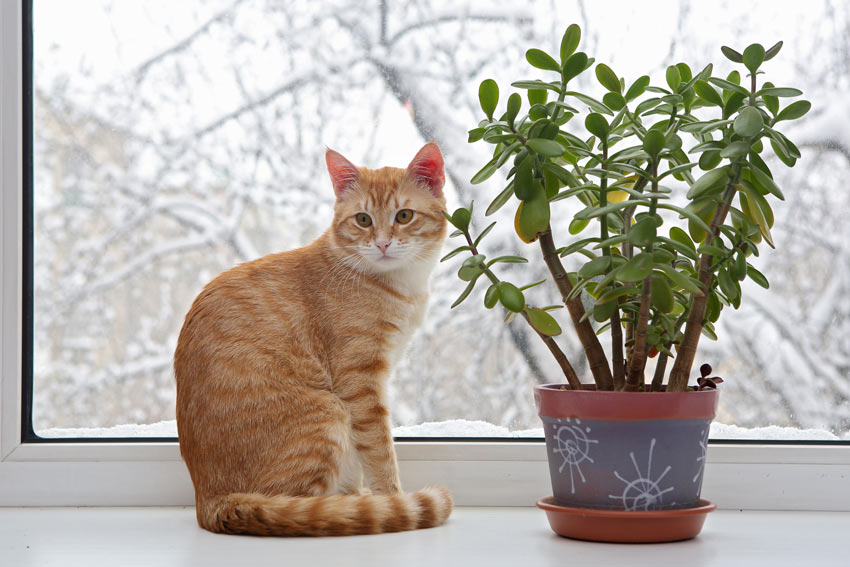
(343, 173)
(428, 168)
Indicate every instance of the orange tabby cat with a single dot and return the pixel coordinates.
(282, 364)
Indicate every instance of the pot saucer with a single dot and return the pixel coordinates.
(620, 526)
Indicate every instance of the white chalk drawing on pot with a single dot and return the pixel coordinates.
(642, 493)
(574, 448)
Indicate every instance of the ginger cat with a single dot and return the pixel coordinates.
(282, 363)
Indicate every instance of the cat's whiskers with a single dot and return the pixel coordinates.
(337, 268)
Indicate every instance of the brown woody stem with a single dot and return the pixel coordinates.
(660, 368)
(618, 361)
(596, 359)
(639, 353)
(560, 357)
(637, 362)
(681, 371)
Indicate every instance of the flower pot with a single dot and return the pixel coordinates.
(625, 451)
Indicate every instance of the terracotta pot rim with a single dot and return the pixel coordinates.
(590, 390)
(704, 507)
(559, 401)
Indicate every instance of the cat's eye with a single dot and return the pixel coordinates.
(363, 219)
(404, 216)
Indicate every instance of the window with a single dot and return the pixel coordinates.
(172, 141)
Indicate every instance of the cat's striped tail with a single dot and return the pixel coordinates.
(332, 515)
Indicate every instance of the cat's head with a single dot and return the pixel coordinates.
(388, 219)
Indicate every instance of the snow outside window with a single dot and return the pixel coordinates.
(173, 140)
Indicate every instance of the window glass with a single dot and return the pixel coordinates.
(174, 140)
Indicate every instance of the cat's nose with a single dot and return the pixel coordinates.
(382, 246)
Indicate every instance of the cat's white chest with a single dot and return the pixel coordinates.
(409, 320)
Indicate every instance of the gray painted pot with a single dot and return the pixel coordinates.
(625, 450)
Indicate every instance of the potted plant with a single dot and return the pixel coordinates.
(664, 243)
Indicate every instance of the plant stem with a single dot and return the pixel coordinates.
(560, 357)
(617, 362)
(661, 365)
(637, 360)
(596, 359)
(681, 371)
(660, 368)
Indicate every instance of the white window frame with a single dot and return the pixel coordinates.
(751, 476)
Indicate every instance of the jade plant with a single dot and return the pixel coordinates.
(673, 199)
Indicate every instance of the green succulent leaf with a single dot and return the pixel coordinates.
(485, 173)
(682, 237)
(643, 232)
(637, 88)
(636, 269)
(574, 65)
(548, 148)
(753, 57)
(507, 260)
(535, 85)
(748, 123)
(525, 186)
(460, 218)
(542, 322)
(735, 149)
(732, 55)
(662, 294)
(597, 125)
(454, 253)
(757, 276)
(765, 182)
(491, 296)
(511, 297)
(500, 200)
(729, 86)
(653, 143)
(488, 96)
(772, 51)
(707, 93)
(595, 267)
(476, 134)
(794, 110)
(542, 60)
(709, 160)
(532, 217)
(484, 233)
(608, 78)
(728, 284)
(593, 212)
(578, 225)
(514, 104)
(779, 91)
(710, 180)
(594, 104)
(674, 77)
(570, 41)
(616, 293)
(687, 283)
(614, 101)
(464, 294)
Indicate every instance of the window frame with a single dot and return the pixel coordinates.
(44, 472)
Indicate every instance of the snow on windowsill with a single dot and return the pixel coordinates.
(456, 428)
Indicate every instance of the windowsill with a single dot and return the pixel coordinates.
(473, 536)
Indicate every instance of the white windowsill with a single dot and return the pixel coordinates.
(97, 537)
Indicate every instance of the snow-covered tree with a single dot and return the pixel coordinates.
(174, 140)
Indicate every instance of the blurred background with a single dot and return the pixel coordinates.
(174, 140)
